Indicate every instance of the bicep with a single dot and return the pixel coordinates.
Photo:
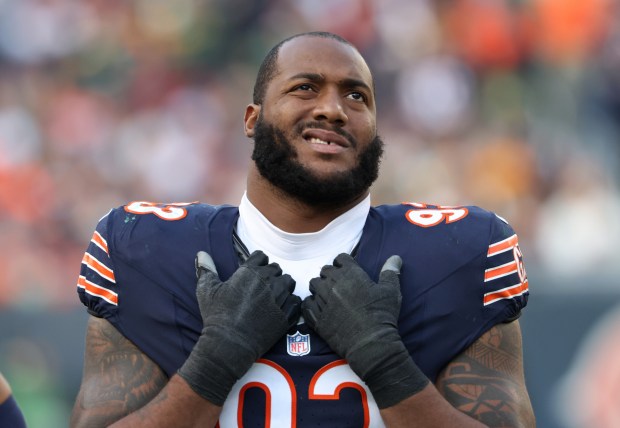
(117, 379)
(487, 382)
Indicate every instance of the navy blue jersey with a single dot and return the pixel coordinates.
(10, 414)
(462, 273)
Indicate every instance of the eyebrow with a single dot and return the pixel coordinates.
(346, 82)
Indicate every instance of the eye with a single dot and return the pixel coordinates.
(303, 87)
(357, 96)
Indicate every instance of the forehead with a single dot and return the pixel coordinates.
(328, 57)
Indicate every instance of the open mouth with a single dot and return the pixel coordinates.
(324, 137)
(318, 141)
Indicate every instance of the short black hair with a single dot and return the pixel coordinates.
(268, 67)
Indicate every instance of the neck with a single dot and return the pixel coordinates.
(289, 213)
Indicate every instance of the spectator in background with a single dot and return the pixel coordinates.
(589, 396)
(586, 203)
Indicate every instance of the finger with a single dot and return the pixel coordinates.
(320, 289)
(257, 258)
(204, 262)
(343, 259)
(394, 263)
(310, 311)
(390, 271)
(312, 286)
(290, 283)
(281, 288)
(271, 270)
(292, 309)
(207, 276)
(327, 271)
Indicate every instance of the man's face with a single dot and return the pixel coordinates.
(315, 134)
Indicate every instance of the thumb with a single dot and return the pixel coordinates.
(393, 264)
(208, 279)
(204, 263)
(390, 270)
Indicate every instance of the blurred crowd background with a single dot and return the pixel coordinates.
(513, 105)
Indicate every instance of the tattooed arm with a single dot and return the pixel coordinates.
(121, 384)
(487, 381)
(484, 386)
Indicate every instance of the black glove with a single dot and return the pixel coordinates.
(242, 319)
(358, 319)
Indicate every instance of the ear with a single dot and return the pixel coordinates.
(250, 118)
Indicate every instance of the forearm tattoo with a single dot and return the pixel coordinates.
(486, 381)
(118, 377)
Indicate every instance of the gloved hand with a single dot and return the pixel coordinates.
(358, 319)
(242, 319)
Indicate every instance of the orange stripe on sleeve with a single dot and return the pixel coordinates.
(98, 240)
(506, 293)
(501, 246)
(98, 267)
(98, 291)
(498, 272)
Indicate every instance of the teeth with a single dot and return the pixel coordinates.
(318, 141)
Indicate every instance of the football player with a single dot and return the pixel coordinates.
(311, 307)
(10, 413)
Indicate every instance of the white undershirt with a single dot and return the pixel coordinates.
(301, 255)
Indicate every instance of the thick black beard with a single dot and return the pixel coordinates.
(276, 160)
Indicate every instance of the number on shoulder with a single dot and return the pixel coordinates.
(165, 211)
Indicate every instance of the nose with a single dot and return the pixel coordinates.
(329, 107)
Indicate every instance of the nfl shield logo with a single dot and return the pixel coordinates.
(298, 344)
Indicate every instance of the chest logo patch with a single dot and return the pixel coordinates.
(298, 344)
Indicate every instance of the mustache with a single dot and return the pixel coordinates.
(322, 125)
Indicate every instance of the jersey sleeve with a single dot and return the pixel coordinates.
(506, 287)
(11, 415)
(96, 286)
(138, 273)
